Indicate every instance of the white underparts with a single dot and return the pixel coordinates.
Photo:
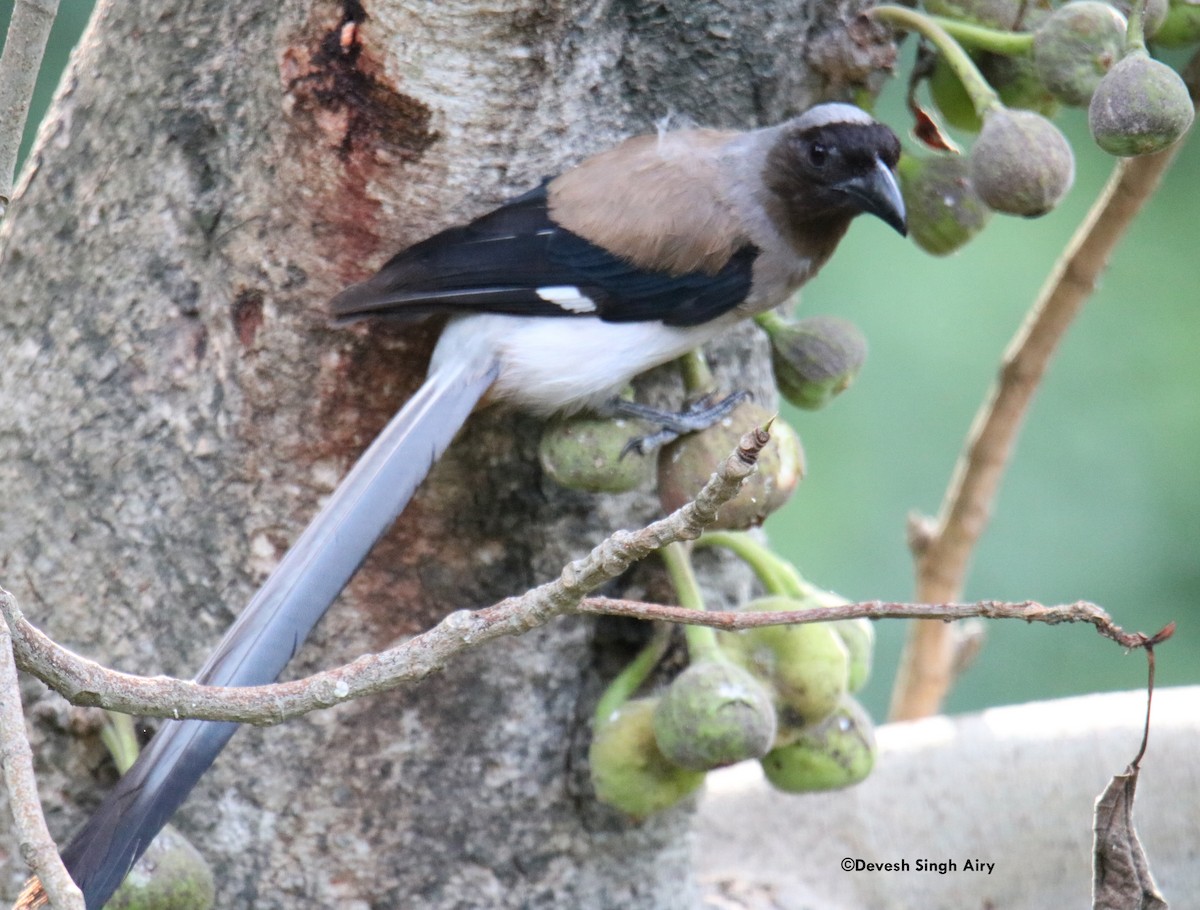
(564, 364)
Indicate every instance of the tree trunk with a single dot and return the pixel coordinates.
(177, 403)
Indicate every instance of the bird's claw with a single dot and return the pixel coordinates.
(696, 416)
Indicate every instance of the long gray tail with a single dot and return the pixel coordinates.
(274, 624)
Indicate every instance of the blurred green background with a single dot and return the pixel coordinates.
(1102, 501)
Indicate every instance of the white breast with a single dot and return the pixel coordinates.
(563, 364)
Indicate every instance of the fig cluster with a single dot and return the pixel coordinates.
(598, 455)
(1004, 68)
(782, 695)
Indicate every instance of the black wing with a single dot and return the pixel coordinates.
(499, 262)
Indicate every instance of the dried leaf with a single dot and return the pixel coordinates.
(930, 134)
(1121, 878)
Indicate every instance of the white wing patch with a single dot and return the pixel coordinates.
(568, 297)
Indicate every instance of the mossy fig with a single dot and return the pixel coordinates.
(1021, 164)
(858, 635)
(838, 753)
(628, 770)
(815, 359)
(686, 465)
(1016, 81)
(171, 875)
(588, 453)
(1141, 106)
(944, 211)
(1076, 46)
(714, 714)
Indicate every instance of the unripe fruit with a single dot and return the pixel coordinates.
(1076, 46)
(588, 453)
(838, 753)
(714, 714)
(1002, 14)
(944, 211)
(858, 635)
(1017, 83)
(1181, 26)
(816, 359)
(1153, 16)
(686, 465)
(171, 875)
(805, 665)
(1141, 106)
(628, 770)
(1021, 164)
(951, 98)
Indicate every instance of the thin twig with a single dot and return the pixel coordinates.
(943, 552)
(16, 756)
(20, 62)
(735, 620)
(418, 657)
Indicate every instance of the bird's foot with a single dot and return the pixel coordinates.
(698, 415)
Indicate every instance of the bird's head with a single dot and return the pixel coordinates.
(833, 162)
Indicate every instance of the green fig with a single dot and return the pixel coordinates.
(944, 211)
(858, 635)
(951, 98)
(1016, 81)
(1021, 164)
(838, 753)
(171, 875)
(1154, 15)
(686, 465)
(714, 714)
(805, 665)
(815, 359)
(588, 453)
(1001, 14)
(1181, 26)
(1076, 46)
(628, 771)
(1141, 106)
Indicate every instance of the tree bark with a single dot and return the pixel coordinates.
(177, 403)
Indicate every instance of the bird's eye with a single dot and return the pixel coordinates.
(818, 154)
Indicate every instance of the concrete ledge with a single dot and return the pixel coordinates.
(1013, 787)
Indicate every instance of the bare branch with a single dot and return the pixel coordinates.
(84, 682)
(37, 847)
(944, 551)
(20, 62)
(734, 620)
(431, 651)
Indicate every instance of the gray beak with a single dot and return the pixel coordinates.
(878, 193)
